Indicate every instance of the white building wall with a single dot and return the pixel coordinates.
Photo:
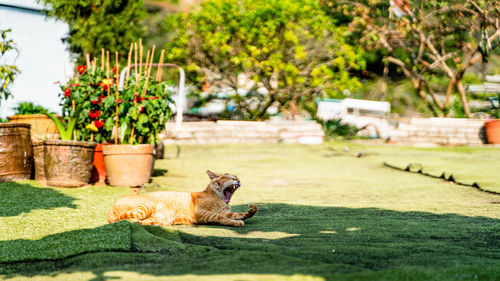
(42, 59)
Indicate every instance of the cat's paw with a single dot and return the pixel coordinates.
(239, 223)
(252, 208)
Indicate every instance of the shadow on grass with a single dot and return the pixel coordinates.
(159, 172)
(327, 242)
(17, 198)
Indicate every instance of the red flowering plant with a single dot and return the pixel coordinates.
(88, 97)
(143, 110)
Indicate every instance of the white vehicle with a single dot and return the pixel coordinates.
(364, 114)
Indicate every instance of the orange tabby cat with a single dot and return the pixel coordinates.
(210, 206)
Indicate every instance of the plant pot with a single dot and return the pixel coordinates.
(98, 169)
(16, 153)
(128, 165)
(39, 155)
(68, 163)
(492, 128)
(42, 127)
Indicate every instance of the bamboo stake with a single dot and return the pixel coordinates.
(140, 57)
(135, 55)
(87, 59)
(94, 64)
(129, 61)
(91, 136)
(159, 72)
(150, 65)
(107, 64)
(102, 58)
(117, 95)
(146, 62)
(73, 106)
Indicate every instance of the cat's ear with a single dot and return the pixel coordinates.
(211, 174)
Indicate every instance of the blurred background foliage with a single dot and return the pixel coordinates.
(287, 53)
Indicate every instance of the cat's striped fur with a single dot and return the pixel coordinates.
(210, 206)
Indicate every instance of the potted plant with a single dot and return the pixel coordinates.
(142, 109)
(91, 88)
(15, 139)
(68, 161)
(42, 127)
(492, 127)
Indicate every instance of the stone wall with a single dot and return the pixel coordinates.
(442, 131)
(307, 132)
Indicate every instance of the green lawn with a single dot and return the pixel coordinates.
(324, 214)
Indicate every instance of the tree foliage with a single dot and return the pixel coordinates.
(99, 24)
(289, 49)
(425, 38)
(7, 71)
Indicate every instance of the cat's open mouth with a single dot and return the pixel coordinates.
(229, 191)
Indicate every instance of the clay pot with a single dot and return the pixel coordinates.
(38, 153)
(68, 163)
(16, 153)
(128, 165)
(493, 131)
(98, 168)
(42, 127)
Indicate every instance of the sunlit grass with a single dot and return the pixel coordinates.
(324, 214)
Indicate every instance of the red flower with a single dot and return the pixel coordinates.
(105, 86)
(67, 92)
(95, 101)
(99, 123)
(137, 98)
(152, 98)
(141, 109)
(102, 97)
(81, 69)
(119, 100)
(114, 69)
(94, 114)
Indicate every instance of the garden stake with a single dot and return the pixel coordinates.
(158, 72)
(147, 62)
(107, 67)
(102, 58)
(140, 56)
(135, 54)
(87, 59)
(150, 65)
(129, 61)
(117, 95)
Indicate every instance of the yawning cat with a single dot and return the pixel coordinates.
(210, 206)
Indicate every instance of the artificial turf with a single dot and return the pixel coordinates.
(324, 214)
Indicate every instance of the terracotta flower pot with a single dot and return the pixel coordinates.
(42, 127)
(493, 131)
(68, 163)
(39, 155)
(16, 153)
(128, 165)
(98, 169)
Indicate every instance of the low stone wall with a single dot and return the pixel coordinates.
(308, 132)
(442, 131)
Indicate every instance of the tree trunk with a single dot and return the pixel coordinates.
(463, 97)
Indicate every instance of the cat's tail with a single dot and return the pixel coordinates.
(134, 213)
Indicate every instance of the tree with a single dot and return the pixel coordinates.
(7, 71)
(289, 48)
(426, 38)
(99, 24)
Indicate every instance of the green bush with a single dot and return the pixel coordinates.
(27, 107)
